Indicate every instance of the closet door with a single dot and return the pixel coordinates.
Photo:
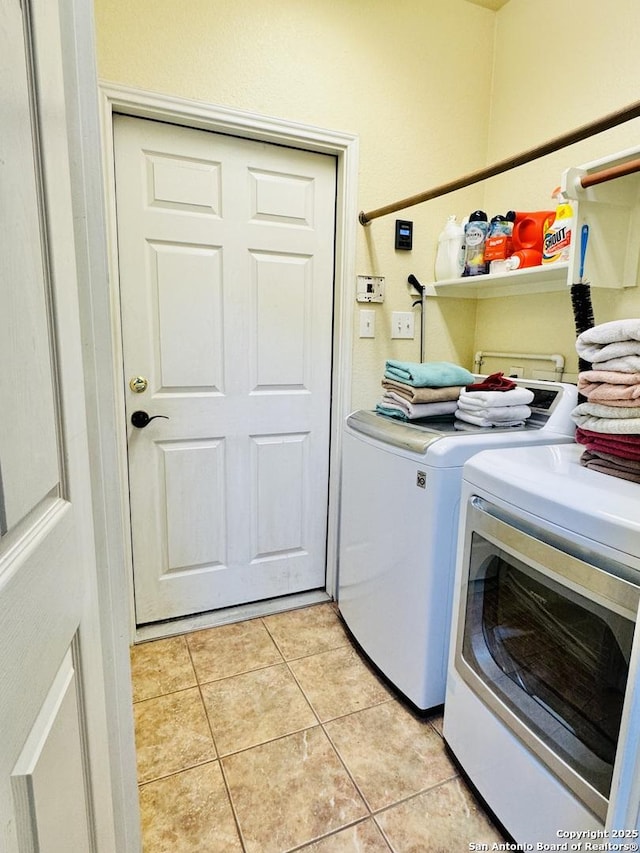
(54, 771)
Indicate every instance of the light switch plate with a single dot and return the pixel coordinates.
(367, 323)
(402, 324)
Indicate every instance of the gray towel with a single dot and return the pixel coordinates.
(622, 420)
(607, 341)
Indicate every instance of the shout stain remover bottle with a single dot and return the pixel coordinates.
(557, 235)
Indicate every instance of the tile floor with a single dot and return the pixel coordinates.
(274, 735)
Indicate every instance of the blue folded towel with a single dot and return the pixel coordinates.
(392, 412)
(432, 374)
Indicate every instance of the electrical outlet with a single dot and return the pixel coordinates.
(516, 372)
(402, 324)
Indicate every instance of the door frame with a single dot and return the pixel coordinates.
(117, 99)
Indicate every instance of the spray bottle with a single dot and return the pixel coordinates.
(556, 243)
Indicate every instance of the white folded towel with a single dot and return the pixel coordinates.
(624, 364)
(480, 420)
(496, 413)
(516, 397)
(616, 339)
(597, 354)
(608, 333)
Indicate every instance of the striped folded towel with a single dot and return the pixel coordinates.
(403, 409)
(422, 394)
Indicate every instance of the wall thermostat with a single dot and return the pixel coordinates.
(404, 234)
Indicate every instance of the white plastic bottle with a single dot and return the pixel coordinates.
(450, 254)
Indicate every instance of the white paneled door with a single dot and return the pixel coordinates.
(226, 260)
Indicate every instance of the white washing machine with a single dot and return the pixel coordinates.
(543, 668)
(400, 496)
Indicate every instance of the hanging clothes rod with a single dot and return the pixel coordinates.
(583, 132)
(610, 174)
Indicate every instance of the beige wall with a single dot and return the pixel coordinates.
(559, 64)
(434, 89)
(397, 74)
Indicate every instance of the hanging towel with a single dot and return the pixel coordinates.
(417, 410)
(517, 397)
(494, 382)
(435, 374)
(423, 394)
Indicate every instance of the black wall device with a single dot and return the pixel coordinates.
(404, 234)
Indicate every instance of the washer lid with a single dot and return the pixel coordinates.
(398, 433)
(550, 483)
(417, 437)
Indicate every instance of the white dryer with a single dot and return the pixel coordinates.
(400, 495)
(543, 671)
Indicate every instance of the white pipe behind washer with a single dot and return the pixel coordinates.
(556, 358)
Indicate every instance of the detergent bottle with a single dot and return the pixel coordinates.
(556, 243)
(450, 254)
(475, 237)
(498, 246)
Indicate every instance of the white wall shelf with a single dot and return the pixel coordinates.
(540, 279)
(612, 211)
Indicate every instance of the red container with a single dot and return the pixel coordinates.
(528, 232)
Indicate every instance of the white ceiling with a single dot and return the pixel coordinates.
(489, 4)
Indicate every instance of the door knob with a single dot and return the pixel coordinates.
(138, 384)
(140, 419)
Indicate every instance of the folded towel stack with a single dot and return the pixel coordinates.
(608, 424)
(416, 390)
(495, 408)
